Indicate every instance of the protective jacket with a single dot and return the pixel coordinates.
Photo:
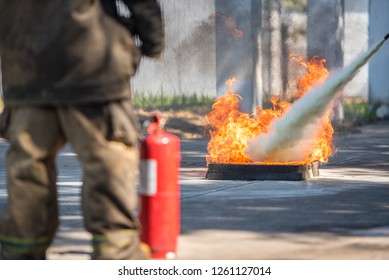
(56, 52)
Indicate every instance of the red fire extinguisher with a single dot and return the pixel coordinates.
(159, 190)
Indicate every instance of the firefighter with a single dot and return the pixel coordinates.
(66, 67)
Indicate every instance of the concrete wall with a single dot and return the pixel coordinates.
(325, 37)
(189, 63)
(356, 41)
(379, 63)
(237, 30)
(208, 42)
(341, 36)
(325, 31)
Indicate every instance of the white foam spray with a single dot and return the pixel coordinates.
(291, 136)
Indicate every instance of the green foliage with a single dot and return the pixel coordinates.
(161, 100)
(297, 5)
(358, 110)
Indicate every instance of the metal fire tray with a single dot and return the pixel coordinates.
(250, 172)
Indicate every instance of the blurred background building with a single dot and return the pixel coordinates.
(208, 42)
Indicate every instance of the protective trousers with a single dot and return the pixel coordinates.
(105, 138)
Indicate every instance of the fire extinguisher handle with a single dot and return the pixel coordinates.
(159, 119)
(157, 123)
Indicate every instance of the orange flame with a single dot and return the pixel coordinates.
(316, 73)
(231, 129)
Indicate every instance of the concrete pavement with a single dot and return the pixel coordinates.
(343, 214)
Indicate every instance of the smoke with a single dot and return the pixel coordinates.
(291, 137)
(230, 25)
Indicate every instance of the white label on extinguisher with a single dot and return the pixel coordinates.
(148, 176)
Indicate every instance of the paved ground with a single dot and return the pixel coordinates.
(343, 214)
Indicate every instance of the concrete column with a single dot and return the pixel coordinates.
(276, 48)
(325, 31)
(256, 6)
(379, 63)
(325, 37)
(237, 28)
(272, 48)
(266, 42)
(356, 41)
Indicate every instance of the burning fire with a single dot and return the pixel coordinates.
(316, 73)
(231, 129)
